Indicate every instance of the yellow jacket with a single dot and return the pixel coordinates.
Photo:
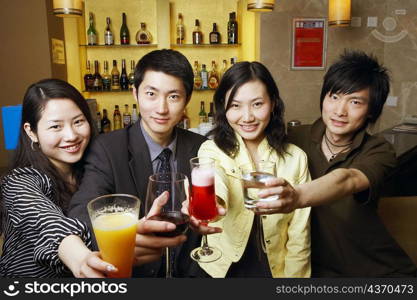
(287, 236)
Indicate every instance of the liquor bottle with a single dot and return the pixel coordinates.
(89, 78)
(185, 121)
(232, 29)
(202, 114)
(127, 118)
(98, 82)
(180, 30)
(135, 116)
(224, 68)
(106, 77)
(115, 77)
(117, 118)
(204, 77)
(233, 60)
(105, 122)
(98, 122)
(91, 32)
(210, 115)
(108, 34)
(124, 32)
(197, 34)
(214, 35)
(131, 75)
(197, 76)
(124, 80)
(143, 36)
(213, 80)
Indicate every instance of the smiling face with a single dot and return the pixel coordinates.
(63, 133)
(344, 114)
(249, 111)
(161, 99)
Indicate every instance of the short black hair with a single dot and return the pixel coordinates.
(167, 61)
(233, 79)
(356, 71)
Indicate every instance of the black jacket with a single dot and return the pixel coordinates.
(120, 162)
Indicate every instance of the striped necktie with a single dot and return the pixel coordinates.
(165, 171)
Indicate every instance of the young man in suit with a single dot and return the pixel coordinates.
(348, 166)
(123, 160)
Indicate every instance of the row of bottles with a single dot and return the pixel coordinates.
(204, 79)
(116, 81)
(104, 125)
(113, 81)
(143, 36)
(214, 35)
(204, 117)
(124, 120)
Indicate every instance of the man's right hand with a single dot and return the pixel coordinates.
(150, 247)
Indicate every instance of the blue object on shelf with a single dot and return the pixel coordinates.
(11, 116)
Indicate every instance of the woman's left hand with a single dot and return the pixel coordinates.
(197, 226)
(288, 199)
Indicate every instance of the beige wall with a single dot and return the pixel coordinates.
(301, 89)
(25, 52)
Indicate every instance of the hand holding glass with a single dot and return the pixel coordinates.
(176, 184)
(203, 204)
(114, 218)
(253, 179)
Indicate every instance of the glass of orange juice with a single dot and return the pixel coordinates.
(114, 218)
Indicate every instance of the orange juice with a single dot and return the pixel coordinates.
(115, 234)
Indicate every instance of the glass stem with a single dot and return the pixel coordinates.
(205, 249)
(168, 271)
(205, 243)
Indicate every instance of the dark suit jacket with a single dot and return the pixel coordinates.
(120, 162)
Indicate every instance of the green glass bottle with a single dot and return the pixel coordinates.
(124, 32)
(91, 32)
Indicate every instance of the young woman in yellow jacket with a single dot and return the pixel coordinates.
(249, 128)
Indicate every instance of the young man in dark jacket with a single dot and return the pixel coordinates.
(123, 160)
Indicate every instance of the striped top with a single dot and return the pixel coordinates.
(34, 226)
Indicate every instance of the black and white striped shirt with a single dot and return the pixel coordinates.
(34, 226)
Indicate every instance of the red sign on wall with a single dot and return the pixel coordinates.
(308, 45)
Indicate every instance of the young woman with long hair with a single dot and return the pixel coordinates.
(250, 129)
(39, 240)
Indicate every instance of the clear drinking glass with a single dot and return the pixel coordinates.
(114, 218)
(253, 179)
(177, 186)
(203, 204)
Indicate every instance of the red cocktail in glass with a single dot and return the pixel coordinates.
(203, 204)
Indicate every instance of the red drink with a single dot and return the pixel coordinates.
(179, 219)
(203, 203)
(203, 198)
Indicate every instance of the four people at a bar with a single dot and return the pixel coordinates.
(49, 234)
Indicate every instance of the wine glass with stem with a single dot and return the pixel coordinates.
(177, 186)
(203, 205)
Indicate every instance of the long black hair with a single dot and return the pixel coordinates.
(232, 80)
(34, 102)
